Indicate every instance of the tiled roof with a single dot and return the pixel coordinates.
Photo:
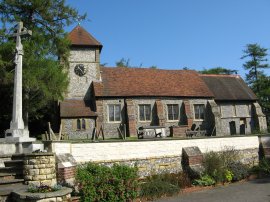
(79, 36)
(228, 87)
(76, 108)
(121, 81)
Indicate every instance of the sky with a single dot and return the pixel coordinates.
(172, 34)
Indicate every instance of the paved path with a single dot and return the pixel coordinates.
(251, 191)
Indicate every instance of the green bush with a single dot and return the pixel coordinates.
(205, 180)
(216, 164)
(239, 170)
(156, 186)
(263, 168)
(101, 183)
(228, 175)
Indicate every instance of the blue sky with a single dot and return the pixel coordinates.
(172, 34)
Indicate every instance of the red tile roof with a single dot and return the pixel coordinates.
(228, 87)
(76, 108)
(121, 81)
(79, 36)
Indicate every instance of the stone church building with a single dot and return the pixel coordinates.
(115, 99)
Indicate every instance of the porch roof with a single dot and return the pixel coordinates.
(228, 87)
(76, 108)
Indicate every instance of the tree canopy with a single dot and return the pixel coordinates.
(218, 70)
(257, 58)
(44, 77)
(256, 78)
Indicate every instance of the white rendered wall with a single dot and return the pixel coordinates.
(83, 152)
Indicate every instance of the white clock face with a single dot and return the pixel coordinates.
(80, 70)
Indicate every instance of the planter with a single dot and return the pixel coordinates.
(62, 195)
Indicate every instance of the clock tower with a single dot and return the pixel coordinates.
(84, 63)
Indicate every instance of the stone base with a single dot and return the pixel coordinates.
(17, 135)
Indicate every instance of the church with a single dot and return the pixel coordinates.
(123, 100)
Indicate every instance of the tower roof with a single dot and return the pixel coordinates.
(80, 37)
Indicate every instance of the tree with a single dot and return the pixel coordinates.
(218, 70)
(257, 80)
(123, 63)
(44, 77)
(257, 56)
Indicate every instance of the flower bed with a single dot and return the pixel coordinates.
(25, 196)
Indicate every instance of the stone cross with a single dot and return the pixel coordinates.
(17, 125)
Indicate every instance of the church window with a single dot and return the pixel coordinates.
(145, 112)
(83, 124)
(199, 111)
(114, 113)
(173, 111)
(78, 124)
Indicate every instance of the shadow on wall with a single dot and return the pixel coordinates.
(183, 115)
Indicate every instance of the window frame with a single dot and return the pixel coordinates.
(194, 108)
(178, 112)
(114, 113)
(139, 112)
(81, 124)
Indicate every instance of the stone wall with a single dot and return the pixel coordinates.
(70, 128)
(39, 168)
(153, 157)
(79, 86)
(110, 128)
(237, 113)
(150, 166)
(104, 151)
(159, 110)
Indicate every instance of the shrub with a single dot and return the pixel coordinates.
(156, 186)
(228, 175)
(239, 170)
(101, 183)
(217, 164)
(214, 166)
(205, 180)
(263, 167)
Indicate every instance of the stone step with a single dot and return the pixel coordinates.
(12, 181)
(7, 176)
(6, 189)
(11, 169)
(9, 163)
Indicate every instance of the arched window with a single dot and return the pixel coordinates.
(78, 124)
(83, 124)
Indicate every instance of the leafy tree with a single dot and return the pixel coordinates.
(153, 67)
(257, 56)
(218, 70)
(123, 63)
(44, 78)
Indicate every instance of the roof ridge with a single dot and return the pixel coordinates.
(221, 75)
(151, 69)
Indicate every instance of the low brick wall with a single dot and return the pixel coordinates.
(178, 131)
(66, 175)
(39, 168)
